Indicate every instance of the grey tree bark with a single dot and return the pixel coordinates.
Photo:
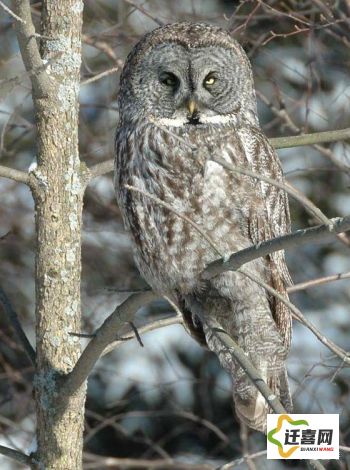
(58, 194)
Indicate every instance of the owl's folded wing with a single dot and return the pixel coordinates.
(269, 218)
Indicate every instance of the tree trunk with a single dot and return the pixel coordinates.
(58, 204)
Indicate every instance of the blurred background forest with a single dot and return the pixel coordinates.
(171, 399)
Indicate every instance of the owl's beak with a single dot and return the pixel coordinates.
(192, 107)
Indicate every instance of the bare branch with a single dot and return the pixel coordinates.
(11, 13)
(288, 188)
(104, 47)
(240, 460)
(310, 139)
(145, 12)
(103, 337)
(277, 142)
(154, 325)
(99, 76)
(29, 48)
(301, 237)
(341, 353)
(140, 464)
(282, 113)
(100, 169)
(16, 175)
(318, 282)
(253, 252)
(13, 319)
(16, 455)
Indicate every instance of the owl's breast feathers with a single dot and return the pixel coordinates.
(175, 165)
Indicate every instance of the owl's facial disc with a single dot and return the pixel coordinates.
(178, 86)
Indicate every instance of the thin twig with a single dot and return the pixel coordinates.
(13, 320)
(344, 355)
(145, 12)
(212, 327)
(310, 139)
(136, 333)
(100, 169)
(104, 47)
(153, 325)
(99, 76)
(239, 461)
(318, 282)
(181, 216)
(11, 13)
(287, 187)
(141, 464)
(243, 434)
(16, 455)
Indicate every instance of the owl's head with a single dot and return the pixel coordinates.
(187, 74)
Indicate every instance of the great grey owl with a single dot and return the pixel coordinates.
(186, 96)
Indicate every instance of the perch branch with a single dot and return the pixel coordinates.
(13, 319)
(253, 253)
(301, 237)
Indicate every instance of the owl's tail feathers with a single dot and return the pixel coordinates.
(252, 408)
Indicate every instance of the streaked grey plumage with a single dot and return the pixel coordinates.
(187, 95)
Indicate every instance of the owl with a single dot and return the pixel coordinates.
(186, 97)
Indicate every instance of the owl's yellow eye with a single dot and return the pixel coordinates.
(209, 80)
(169, 79)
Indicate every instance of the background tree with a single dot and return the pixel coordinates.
(169, 399)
